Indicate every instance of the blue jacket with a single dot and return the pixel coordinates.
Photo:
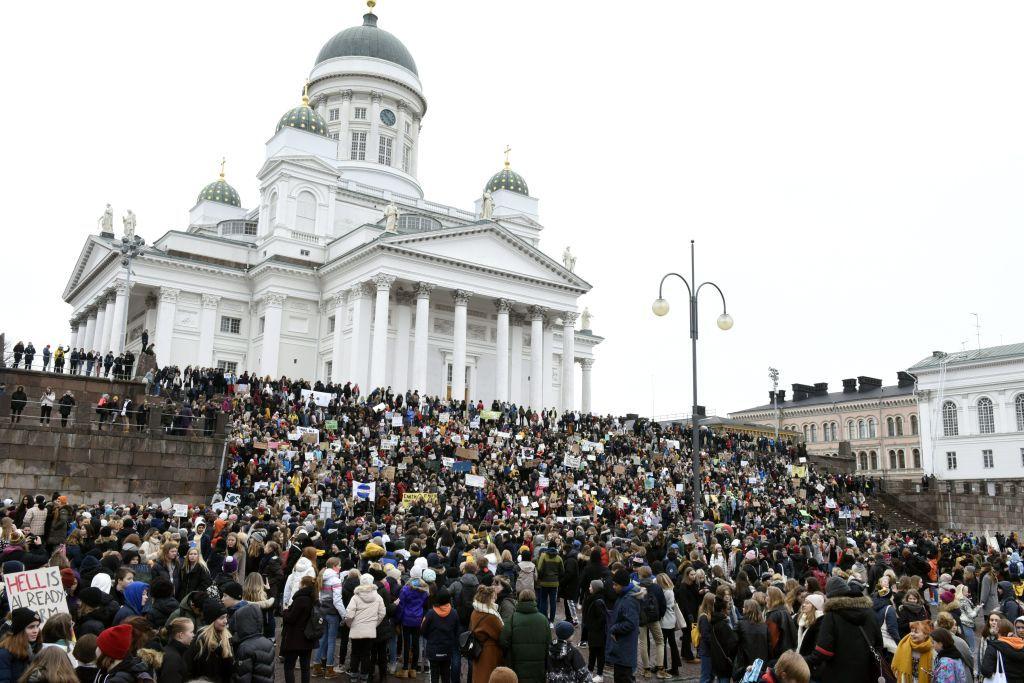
(624, 627)
(11, 668)
(412, 603)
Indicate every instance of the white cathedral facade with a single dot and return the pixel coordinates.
(344, 272)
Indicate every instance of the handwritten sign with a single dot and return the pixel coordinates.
(39, 590)
(475, 480)
(232, 499)
(181, 509)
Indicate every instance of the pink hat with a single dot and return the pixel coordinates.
(750, 556)
(946, 596)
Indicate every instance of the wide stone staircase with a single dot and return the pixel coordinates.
(899, 515)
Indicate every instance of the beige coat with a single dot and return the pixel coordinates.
(364, 612)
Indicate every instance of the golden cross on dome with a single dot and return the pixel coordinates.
(305, 94)
(371, 4)
(507, 150)
(223, 160)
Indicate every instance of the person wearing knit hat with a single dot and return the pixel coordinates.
(564, 630)
(12, 567)
(68, 580)
(114, 644)
(214, 610)
(835, 587)
(18, 644)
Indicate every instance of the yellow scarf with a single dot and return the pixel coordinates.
(903, 661)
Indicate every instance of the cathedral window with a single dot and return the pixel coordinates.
(384, 150)
(305, 212)
(358, 145)
(949, 419)
(359, 113)
(406, 156)
(986, 420)
(229, 325)
(334, 114)
(334, 135)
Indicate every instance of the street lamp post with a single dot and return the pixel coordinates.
(130, 248)
(660, 308)
(774, 375)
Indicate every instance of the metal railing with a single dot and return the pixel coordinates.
(33, 413)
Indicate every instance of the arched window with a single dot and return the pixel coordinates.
(814, 433)
(273, 210)
(902, 459)
(913, 425)
(872, 428)
(949, 423)
(862, 432)
(835, 428)
(874, 460)
(305, 212)
(863, 461)
(986, 421)
(806, 433)
(850, 434)
(917, 458)
(892, 460)
(899, 425)
(890, 427)
(1019, 406)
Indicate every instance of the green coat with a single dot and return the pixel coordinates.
(525, 639)
(550, 570)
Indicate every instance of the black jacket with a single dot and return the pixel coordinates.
(842, 654)
(210, 665)
(752, 644)
(293, 638)
(723, 645)
(1013, 661)
(173, 669)
(254, 654)
(159, 610)
(595, 619)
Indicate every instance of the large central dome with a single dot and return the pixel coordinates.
(368, 41)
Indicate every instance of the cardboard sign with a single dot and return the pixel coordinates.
(475, 480)
(232, 499)
(326, 510)
(409, 498)
(463, 453)
(396, 421)
(389, 473)
(181, 509)
(40, 590)
(619, 469)
(331, 425)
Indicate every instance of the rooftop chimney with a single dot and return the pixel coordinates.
(938, 354)
(771, 397)
(802, 391)
(781, 393)
(821, 389)
(904, 379)
(850, 386)
(869, 383)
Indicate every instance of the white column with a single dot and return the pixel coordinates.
(373, 140)
(536, 358)
(587, 364)
(165, 324)
(117, 331)
(108, 325)
(550, 400)
(358, 345)
(461, 298)
(378, 361)
(337, 355)
(419, 351)
(90, 329)
(101, 322)
(344, 143)
(403, 323)
(568, 360)
(501, 351)
(207, 328)
(415, 144)
(273, 305)
(516, 361)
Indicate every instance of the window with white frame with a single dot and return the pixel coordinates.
(406, 157)
(384, 150)
(227, 366)
(949, 419)
(807, 432)
(335, 135)
(986, 420)
(305, 212)
(273, 208)
(892, 460)
(917, 458)
(902, 458)
(814, 433)
(890, 427)
(899, 425)
(358, 150)
(329, 369)
(950, 460)
(263, 323)
(987, 461)
(1018, 404)
(330, 324)
(850, 433)
(333, 114)
(874, 460)
(229, 325)
(872, 428)
(862, 431)
(913, 425)
(359, 113)
(863, 461)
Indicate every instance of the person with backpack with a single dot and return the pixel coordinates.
(440, 632)
(624, 626)
(595, 626)
(297, 642)
(550, 570)
(1009, 605)
(653, 607)
(526, 574)
(565, 663)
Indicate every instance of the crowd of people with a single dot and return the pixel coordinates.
(79, 361)
(398, 534)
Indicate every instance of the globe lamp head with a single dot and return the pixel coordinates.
(660, 306)
(725, 321)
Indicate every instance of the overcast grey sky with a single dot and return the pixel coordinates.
(851, 172)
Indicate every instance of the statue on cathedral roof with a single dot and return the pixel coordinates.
(106, 221)
(129, 224)
(391, 218)
(569, 260)
(488, 207)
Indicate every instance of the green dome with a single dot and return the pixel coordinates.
(304, 118)
(367, 41)
(507, 179)
(220, 191)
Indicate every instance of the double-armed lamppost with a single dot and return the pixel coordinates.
(773, 375)
(660, 308)
(130, 248)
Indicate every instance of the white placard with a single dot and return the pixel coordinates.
(503, 435)
(442, 418)
(364, 490)
(321, 398)
(326, 510)
(396, 421)
(476, 480)
(232, 499)
(40, 590)
(803, 460)
(166, 505)
(543, 482)
(380, 406)
(181, 509)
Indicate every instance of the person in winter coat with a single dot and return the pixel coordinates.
(525, 638)
(332, 603)
(527, 573)
(752, 637)
(624, 626)
(168, 565)
(19, 644)
(210, 655)
(178, 634)
(161, 603)
(1007, 647)
(1008, 604)
(949, 665)
(135, 598)
(18, 400)
(35, 518)
(842, 654)
(565, 663)
(96, 611)
(412, 605)
(194, 574)
(295, 646)
(808, 623)
(550, 570)
(595, 626)
(191, 608)
(781, 629)
(486, 625)
(569, 585)
(117, 662)
(723, 642)
(64, 406)
(672, 622)
(363, 614)
(303, 567)
(440, 632)
(254, 652)
(912, 609)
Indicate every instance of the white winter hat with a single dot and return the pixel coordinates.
(365, 580)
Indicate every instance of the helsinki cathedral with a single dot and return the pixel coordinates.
(343, 271)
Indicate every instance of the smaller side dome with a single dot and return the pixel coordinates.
(220, 191)
(507, 179)
(303, 117)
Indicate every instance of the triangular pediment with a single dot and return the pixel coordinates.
(94, 252)
(490, 246)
